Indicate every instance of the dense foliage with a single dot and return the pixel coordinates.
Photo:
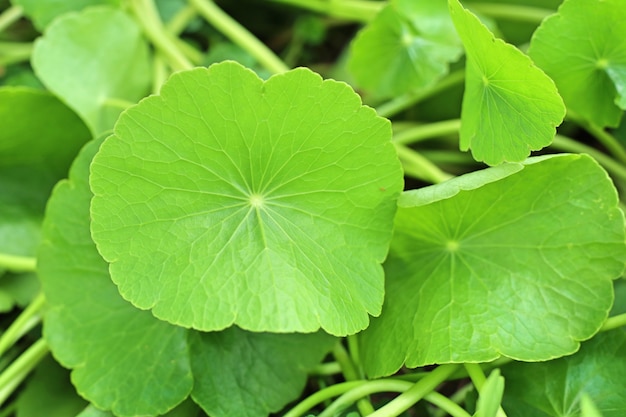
(312, 208)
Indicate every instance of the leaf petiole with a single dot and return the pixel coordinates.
(614, 322)
(19, 369)
(427, 131)
(350, 372)
(17, 263)
(360, 10)
(28, 319)
(417, 166)
(10, 16)
(15, 52)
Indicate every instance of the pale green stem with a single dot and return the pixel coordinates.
(322, 395)
(27, 319)
(427, 131)
(19, 369)
(419, 167)
(148, 17)
(181, 20)
(14, 52)
(325, 369)
(407, 100)
(604, 137)
(614, 322)
(371, 387)
(477, 375)
(446, 404)
(356, 10)
(119, 103)
(350, 373)
(159, 73)
(10, 16)
(239, 35)
(18, 263)
(418, 391)
(515, 12)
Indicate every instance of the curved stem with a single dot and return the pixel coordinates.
(239, 35)
(14, 52)
(614, 322)
(10, 16)
(477, 375)
(148, 17)
(19, 369)
(358, 10)
(446, 404)
(515, 12)
(350, 373)
(28, 319)
(604, 137)
(427, 131)
(417, 166)
(407, 100)
(322, 395)
(18, 263)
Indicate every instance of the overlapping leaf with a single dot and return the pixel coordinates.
(516, 260)
(36, 149)
(583, 48)
(227, 199)
(122, 358)
(408, 46)
(557, 388)
(510, 107)
(42, 12)
(96, 61)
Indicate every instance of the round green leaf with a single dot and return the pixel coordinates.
(229, 200)
(96, 61)
(593, 378)
(583, 49)
(36, 149)
(239, 373)
(510, 107)
(520, 265)
(122, 358)
(408, 46)
(42, 12)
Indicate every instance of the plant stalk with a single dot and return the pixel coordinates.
(17, 263)
(10, 16)
(514, 12)
(28, 319)
(357, 10)
(15, 373)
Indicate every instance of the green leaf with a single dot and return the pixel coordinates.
(519, 266)
(36, 149)
(42, 12)
(407, 47)
(229, 200)
(96, 61)
(20, 288)
(239, 373)
(583, 49)
(49, 393)
(123, 359)
(510, 107)
(557, 388)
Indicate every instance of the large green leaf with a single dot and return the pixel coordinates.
(510, 107)
(408, 46)
(516, 260)
(42, 12)
(239, 373)
(229, 200)
(123, 359)
(96, 61)
(36, 149)
(557, 388)
(583, 48)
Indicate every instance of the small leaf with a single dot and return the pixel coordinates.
(510, 107)
(519, 265)
(96, 61)
(583, 49)
(408, 46)
(239, 373)
(42, 12)
(490, 395)
(229, 200)
(558, 388)
(123, 359)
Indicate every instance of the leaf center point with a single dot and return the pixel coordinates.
(257, 200)
(452, 245)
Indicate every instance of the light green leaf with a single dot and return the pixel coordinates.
(229, 200)
(36, 149)
(96, 61)
(239, 373)
(557, 388)
(510, 107)
(123, 359)
(408, 46)
(583, 49)
(42, 12)
(521, 266)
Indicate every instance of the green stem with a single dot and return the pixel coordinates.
(15, 373)
(614, 322)
(604, 137)
(27, 319)
(9, 410)
(181, 20)
(322, 395)
(159, 73)
(357, 10)
(119, 103)
(148, 17)
(14, 52)
(407, 100)
(446, 405)
(418, 391)
(514, 12)
(419, 167)
(427, 131)
(326, 369)
(239, 35)
(361, 391)
(570, 145)
(17, 263)
(477, 375)
(10, 16)
(350, 373)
